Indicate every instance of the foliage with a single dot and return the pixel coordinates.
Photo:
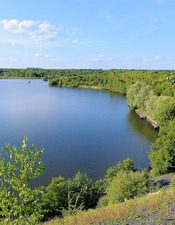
(142, 96)
(16, 171)
(161, 108)
(127, 165)
(160, 104)
(133, 94)
(45, 78)
(103, 201)
(161, 81)
(166, 113)
(55, 197)
(117, 80)
(156, 207)
(162, 155)
(172, 184)
(150, 104)
(128, 185)
(68, 196)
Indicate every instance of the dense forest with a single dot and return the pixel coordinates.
(161, 81)
(119, 80)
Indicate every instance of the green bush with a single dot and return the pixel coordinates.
(55, 197)
(127, 165)
(103, 201)
(66, 196)
(128, 185)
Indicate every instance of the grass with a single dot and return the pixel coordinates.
(154, 208)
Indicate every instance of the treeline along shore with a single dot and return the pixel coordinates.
(115, 80)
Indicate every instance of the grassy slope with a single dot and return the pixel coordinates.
(151, 209)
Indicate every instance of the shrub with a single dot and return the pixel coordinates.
(66, 196)
(103, 201)
(55, 198)
(128, 185)
(127, 165)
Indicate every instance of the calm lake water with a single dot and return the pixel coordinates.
(80, 129)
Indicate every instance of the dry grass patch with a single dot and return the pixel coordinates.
(156, 208)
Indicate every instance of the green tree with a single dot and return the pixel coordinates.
(159, 105)
(149, 104)
(166, 113)
(142, 97)
(16, 170)
(162, 155)
(55, 197)
(132, 94)
(67, 196)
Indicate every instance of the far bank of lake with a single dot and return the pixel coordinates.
(82, 130)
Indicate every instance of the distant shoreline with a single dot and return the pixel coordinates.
(91, 87)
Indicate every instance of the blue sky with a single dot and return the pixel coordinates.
(106, 34)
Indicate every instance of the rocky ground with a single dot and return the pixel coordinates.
(162, 181)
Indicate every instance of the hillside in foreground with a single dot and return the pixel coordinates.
(152, 209)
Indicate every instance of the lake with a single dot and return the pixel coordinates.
(80, 129)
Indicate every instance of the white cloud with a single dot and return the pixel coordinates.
(75, 41)
(38, 32)
(153, 59)
(99, 58)
(19, 27)
(37, 54)
(157, 57)
(45, 31)
(93, 59)
(40, 56)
